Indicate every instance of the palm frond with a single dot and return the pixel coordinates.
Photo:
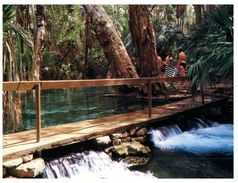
(9, 12)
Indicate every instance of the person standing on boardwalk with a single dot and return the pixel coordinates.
(181, 62)
(168, 59)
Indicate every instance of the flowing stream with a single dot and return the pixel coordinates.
(215, 139)
(205, 151)
(88, 165)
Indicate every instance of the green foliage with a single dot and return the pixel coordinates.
(17, 44)
(212, 45)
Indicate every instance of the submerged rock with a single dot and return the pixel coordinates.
(30, 169)
(13, 163)
(135, 160)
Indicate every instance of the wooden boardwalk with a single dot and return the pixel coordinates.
(23, 143)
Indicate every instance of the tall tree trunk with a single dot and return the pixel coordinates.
(39, 41)
(143, 39)
(210, 8)
(180, 11)
(87, 21)
(114, 50)
(198, 14)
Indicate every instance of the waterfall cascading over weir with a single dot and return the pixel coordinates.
(216, 138)
(91, 164)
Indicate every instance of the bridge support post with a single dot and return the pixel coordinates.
(38, 111)
(202, 92)
(149, 97)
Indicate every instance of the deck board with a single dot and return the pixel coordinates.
(23, 143)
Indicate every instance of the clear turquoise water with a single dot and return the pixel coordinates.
(71, 105)
(187, 155)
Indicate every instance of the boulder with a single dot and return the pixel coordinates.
(125, 134)
(121, 150)
(133, 131)
(30, 169)
(4, 172)
(109, 150)
(116, 142)
(142, 132)
(27, 158)
(131, 148)
(125, 139)
(116, 135)
(12, 163)
(139, 139)
(135, 160)
(104, 141)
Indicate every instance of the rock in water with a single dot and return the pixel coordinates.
(104, 141)
(139, 139)
(133, 131)
(116, 135)
(131, 148)
(30, 169)
(27, 158)
(125, 139)
(125, 134)
(142, 132)
(135, 160)
(13, 163)
(116, 142)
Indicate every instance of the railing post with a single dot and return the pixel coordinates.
(38, 111)
(202, 92)
(149, 97)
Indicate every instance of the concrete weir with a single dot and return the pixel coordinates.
(24, 143)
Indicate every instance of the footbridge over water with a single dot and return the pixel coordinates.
(23, 143)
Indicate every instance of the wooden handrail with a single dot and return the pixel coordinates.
(59, 84)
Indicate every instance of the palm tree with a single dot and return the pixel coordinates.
(213, 45)
(17, 46)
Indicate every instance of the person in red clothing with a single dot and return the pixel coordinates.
(168, 59)
(181, 62)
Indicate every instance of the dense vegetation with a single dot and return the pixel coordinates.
(71, 50)
(55, 42)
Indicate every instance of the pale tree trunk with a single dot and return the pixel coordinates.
(39, 41)
(180, 11)
(87, 21)
(143, 39)
(12, 115)
(120, 65)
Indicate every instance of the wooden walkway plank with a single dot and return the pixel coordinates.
(23, 143)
